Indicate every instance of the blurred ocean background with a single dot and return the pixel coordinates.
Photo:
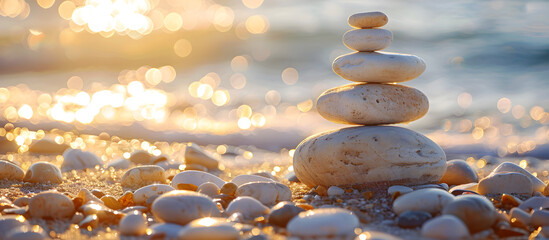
(249, 72)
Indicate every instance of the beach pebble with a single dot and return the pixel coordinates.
(26, 232)
(209, 189)
(143, 175)
(196, 178)
(535, 203)
(76, 159)
(9, 222)
(165, 230)
(335, 191)
(51, 204)
(398, 189)
(445, 227)
(120, 163)
(374, 235)
(505, 183)
(378, 67)
(87, 196)
(511, 167)
(442, 186)
(467, 186)
(42, 172)
(141, 195)
(521, 218)
(368, 20)
(111, 202)
(141, 157)
(387, 154)
(133, 224)
(321, 223)
(477, 212)
(174, 164)
(47, 146)
(458, 172)
(249, 207)
(539, 218)
(368, 40)
(430, 200)
(181, 207)
(131, 209)
(246, 178)
(266, 192)
(229, 189)
(372, 104)
(10, 171)
(21, 201)
(412, 219)
(209, 228)
(282, 213)
(194, 154)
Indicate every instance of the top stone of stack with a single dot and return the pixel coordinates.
(368, 20)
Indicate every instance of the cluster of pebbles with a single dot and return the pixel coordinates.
(147, 196)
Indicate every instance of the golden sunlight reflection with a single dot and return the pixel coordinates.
(257, 24)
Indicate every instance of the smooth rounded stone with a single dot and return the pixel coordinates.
(511, 167)
(196, 178)
(42, 172)
(133, 224)
(333, 222)
(87, 196)
(229, 189)
(141, 195)
(521, 218)
(76, 159)
(400, 189)
(442, 186)
(267, 193)
(445, 227)
(249, 207)
(209, 228)
(412, 219)
(143, 175)
(165, 230)
(111, 202)
(367, 155)
(51, 205)
(181, 207)
(458, 172)
(131, 209)
(477, 212)
(140, 157)
(535, 203)
(120, 163)
(21, 201)
(368, 40)
(335, 191)
(10, 171)
(368, 20)
(539, 218)
(282, 213)
(431, 200)
(374, 235)
(194, 154)
(209, 189)
(26, 232)
(505, 183)
(378, 67)
(468, 186)
(372, 104)
(47, 146)
(9, 222)
(248, 178)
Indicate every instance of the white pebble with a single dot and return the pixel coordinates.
(165, 230)
(194, 154)
(209, 228)
(398, 188)
(76, 159)
(141, 195)
(367, 40)
(133, 224)
(181, 207)
(267, 193)
(335, 191)
(430, 200)
(458, 172)
(196, 178)
(249, 207)
(51, 204)
(246, 178)
(209, 189)
(510, 182)
(511, 167)
(143, 175)
(10, 171)
(322, 223)
(445, 227)
(42, 172)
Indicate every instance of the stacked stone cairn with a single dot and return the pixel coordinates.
(371, 154)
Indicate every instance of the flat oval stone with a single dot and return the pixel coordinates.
(282, 213)
(505, 183)
(196, 178)
(141, 195)
(522, 218)
(249, 207)
(133, 224)
(324, 222)
(412, 219)
(143, 175)
(400, 189)
(368, 155)
(181, 207)
(140, 157)
(431, 200)
(51, 205)
(368, 40)
(267, 193)
(47, 146)
(76, 159)
(458, 172)
(511, 167)
(378, 67)
(535, 203)
(194, 154)
(475, 211)
(368, 20)
(335, 191)
(209, 189)
(10, 171)
(42, 172)
(248, 178)
(445, 227)
(209, 228)
(372, 104)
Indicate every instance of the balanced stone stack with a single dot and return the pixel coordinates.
(371, 154)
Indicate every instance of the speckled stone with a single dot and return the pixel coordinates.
(282, 213)
(42, 172)
(477, 212)
(51, 205)
(325, 222)
(368, 20)
(143, 175)
(76, 159)
(10, 171)
(431, 200)
(458, 172)
(181, 207)
(445, 227)
(412, 219)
